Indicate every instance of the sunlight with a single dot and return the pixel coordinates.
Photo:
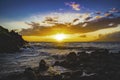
(60, 37)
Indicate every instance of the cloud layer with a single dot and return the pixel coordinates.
(94, 30)
(95, 25)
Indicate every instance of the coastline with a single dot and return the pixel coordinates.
(97, 65)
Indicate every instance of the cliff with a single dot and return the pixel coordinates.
(10, 41)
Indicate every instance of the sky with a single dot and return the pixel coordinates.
(19, 9)
(32, 17)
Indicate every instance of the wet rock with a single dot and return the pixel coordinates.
(29, 72)
(56, 63)
(43, 66)
(76, 75)
(71, 56)
(66, 75)
(100, 52)
(48, 77)
(57, 77)
(119, 52)
(81, 53)
(14, 76)
(83, 56)
(79, 73)
(63, 63)
(99, 65)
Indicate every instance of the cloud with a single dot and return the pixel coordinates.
(12, 25)
(75, 20)
(85, 27)
(47, 19)
(111, 24)
(64, 18)
(97, 25)
(98, 13)
(74, 6)
(66, 22)
(83, 36)
(98, 17)
(110, 37)
(109, 15)
(114, 10)
(88, 18)
(51, 20)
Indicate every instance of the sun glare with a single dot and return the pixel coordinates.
(60, 37)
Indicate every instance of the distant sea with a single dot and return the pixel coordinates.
(34, 52)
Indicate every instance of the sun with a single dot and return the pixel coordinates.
(60, 37)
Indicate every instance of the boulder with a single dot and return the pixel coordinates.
(43, 66)
(71, 56)
(29, 72)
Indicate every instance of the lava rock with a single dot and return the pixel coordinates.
(43, 66)
(71, 56)
(29, 72)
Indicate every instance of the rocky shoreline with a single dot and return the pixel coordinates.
(100, 64)
(10, 41)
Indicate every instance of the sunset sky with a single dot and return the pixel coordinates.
(73, 20)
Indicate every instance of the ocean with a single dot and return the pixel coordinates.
(32, 53)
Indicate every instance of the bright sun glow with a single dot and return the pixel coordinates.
(60, 37)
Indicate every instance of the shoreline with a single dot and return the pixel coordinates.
(100, 64)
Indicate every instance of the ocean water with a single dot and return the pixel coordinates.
(31, 55)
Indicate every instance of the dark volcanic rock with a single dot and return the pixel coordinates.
(10, 41)
(71, 56)
(30, 74)
(42, 65)
(98, 65)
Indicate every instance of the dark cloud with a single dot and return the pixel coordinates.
(98, 13)
(110, 37)
(88, 18)
(103, 23)
(44, 30)
(33, 25)
(75, 20)
(114, 10)
(50, 20)
(35, 28)
(99, 24)
(109, 15)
